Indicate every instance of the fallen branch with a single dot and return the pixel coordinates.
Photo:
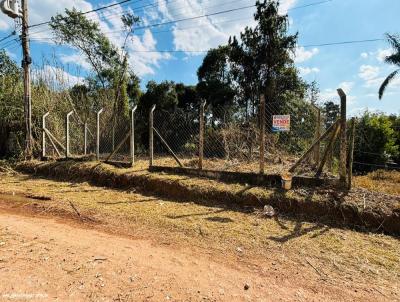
(76, 211)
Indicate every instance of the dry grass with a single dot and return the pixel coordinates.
(380, 181)
(348, 255)
(275, 165)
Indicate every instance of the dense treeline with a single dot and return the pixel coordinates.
(231, 79)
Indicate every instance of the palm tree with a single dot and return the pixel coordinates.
(394, 59)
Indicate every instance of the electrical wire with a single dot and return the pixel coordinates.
(8, 36)
(205, 51)
(206, 15)
(88, 12)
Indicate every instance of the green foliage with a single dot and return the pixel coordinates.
(84, 34)
(163, 95)
(215, 83)
(187, 97)
(331, 112)
(376, 140)
(262, 61)
(11, 107)
(133, 89)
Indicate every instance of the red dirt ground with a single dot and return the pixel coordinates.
(44, 259)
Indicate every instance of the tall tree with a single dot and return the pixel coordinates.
(393, 59)
(109, 62)
(263, 58)
(215, 84)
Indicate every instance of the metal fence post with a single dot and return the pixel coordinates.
(343, 138)
(67, 153)
(262, 134)
(44, 134)
(351, 153)
(98, 134)
(151, 135)
(201, 135)
(132, 144)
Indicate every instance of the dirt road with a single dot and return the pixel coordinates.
(42, 260)
(45, 260)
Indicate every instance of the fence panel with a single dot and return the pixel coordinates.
(290, 130)
(176, 138)
(230, 140)
(55, 136)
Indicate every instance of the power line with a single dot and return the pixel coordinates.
(191, 18)
(9, 36)
(205, 51)
(344, 42)
(141, 7)
(91, 11)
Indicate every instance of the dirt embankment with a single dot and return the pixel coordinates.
(358, 208)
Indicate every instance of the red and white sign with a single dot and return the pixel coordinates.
(281, 123)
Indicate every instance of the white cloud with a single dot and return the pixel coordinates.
(364, 55)
(286, 5)
(368, 72)
(210, 31)
(141, 48)
(56, 77)
(205, 33)
(75, 58)
(373, 77)
(302, 55)
(6, 23)
(307, 70)
(331, 94)
(381, 54)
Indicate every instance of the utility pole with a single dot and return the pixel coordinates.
(26, 62)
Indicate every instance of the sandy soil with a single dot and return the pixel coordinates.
(44, 259)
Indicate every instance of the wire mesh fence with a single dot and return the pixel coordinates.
(215, 138)
(176, 137)
(232, 138)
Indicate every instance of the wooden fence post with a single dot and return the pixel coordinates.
(317, 135)
(351, 153)
(98, 134)
(151, 135)
(44, 134)
(201, 135)
(132, 144)
(343, 138)
(262, 134)
(67, 153)
(85, 139)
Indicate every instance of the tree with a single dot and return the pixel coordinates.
(263, 60)
(109, 62)
(313, 92)
(393, 59)
(187, 97)
(331, 112)
(11, 106)
(162, 95)
(133, 89)
(375, 142)
(215, 84)
(85, 35)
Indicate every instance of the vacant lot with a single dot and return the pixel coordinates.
(122, 245)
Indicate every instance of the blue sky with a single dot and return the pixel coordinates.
(357, 68)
